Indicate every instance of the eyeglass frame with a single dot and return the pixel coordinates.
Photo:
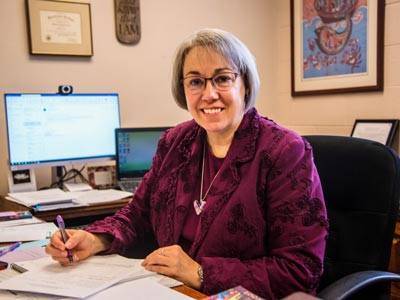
(235, 74)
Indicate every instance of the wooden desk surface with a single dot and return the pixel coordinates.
(68, 213)
(189, 292)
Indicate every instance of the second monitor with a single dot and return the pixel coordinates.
(135, 148)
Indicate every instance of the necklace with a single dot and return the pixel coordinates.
(200, 203)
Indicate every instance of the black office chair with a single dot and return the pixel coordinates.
(361, 184)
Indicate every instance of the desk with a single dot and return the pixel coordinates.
(74, 216)
(93, 212)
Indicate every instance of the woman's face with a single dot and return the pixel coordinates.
(217, 111)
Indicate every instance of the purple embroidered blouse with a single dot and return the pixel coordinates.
(264, 225)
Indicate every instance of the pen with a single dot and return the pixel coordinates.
(10, 248)
(61, 226)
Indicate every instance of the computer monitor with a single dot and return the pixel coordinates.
(56, 129)
(135, 149)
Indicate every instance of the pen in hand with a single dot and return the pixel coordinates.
(61, 226)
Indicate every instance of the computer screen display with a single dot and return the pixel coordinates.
(56, 129)
(135, 150)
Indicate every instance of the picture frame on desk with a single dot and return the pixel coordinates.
(379, 130)
(336, 46)
(21, 181)
(102, 177)
(59, 28)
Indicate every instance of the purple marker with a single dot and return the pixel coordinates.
(12, 247)
(61, 226)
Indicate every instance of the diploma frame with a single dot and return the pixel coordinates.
(59, 28)
(379, 130)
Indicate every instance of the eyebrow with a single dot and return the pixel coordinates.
(216, 71)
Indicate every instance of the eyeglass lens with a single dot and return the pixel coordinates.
(223, 81)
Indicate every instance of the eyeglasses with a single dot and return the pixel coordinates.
(222, 82)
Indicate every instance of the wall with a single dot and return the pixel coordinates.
(333, 114)
(141, 73)
(132, 71)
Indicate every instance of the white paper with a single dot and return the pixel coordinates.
(378, 132)
(7, 274)
(19, 222)
(141, 289)
(99, 196)
(87, 277)
(29, 232)
(60, 27)
(52, 196)
(77, 187)
(136, 272)
(24, 255)
(7, 295)
(166, 281)
(40, 197)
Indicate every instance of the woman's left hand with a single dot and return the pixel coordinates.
(172, 261)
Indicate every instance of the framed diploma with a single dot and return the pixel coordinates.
(382, 131)
(59, 28)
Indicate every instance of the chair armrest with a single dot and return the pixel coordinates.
(348, 285)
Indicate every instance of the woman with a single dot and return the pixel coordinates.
(232, 198)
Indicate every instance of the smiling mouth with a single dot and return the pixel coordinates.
(211, 111)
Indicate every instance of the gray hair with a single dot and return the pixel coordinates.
(228, 46)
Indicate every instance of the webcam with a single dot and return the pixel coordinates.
(65, 89)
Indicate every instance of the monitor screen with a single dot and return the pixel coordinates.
(135, 150)
(55, 129)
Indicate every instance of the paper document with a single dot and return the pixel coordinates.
(141, 289)
(77, 187)
(99, 196)
(32, 220)
(87, 277)
(40, 197)
(136, 273)
(56, 198)
(24, 255)
(30, 232)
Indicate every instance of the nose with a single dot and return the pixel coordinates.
(209, 92)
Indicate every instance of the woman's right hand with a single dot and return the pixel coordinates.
(83, 244)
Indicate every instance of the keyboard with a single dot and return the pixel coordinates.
(129, 185)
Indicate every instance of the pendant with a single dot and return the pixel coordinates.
(198, 206)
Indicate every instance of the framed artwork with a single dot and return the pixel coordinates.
(382, 131)
(59, 28)
(336, 46)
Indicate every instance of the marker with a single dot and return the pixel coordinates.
(61, 226)
(12, 247)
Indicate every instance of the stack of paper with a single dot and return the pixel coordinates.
(50, 196)
(29, 232)
(11, 223)
(99, 196)
(88, 277)
(57, 198)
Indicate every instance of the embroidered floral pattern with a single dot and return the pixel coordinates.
(238, 223)
(273, 207)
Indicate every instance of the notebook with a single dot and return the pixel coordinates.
(135, 148)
